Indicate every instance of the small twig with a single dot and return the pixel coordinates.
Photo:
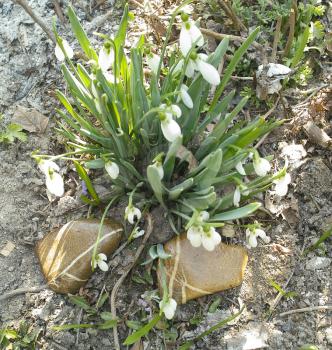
(276, 40)
(230, 13)
(291, 32)
(306, 309)
(32, 14)
(23, 290)
(79, 319)
(123, 277)
(58, 11)
(221, 36)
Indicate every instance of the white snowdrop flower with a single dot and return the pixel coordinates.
(168, 307)
(138, 233)
(237, 196)
(152, 61)
(59, 54)
(261, 165)
(131, 213)
(44, 165)
(197, 62)
(252, 234)
(159, 168)
(210, 239)
(185, 97)
(171, 110)
(106, 57)
(54, 183)
(239, 168)
(170, 128)
(209, 73)
(100, 261)
(281, 185)
(112, 169)
(190, 35)
(194, 234)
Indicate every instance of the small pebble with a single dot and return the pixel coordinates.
(318, 263)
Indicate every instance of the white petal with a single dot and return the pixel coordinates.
(170, 129)
(208, 242)
(237, 196)
(112, 169)
(153, 62)
(54, 183)
(58, 53)
(252, 241)
(69, 51)
(203, 57)
(196, 35)
(137, 213)
(106, 58)
(209, 73)
(276, 69)
(261, 233)
(185, 97)
(176, 111)
(215, 236)
(281, 185)
(102, 265)
(109, 76)
(45, 165)
(262, 166)
(102, 256)
(138, 233)
(194, 235)
(131, 217)
(239, 168)
(190, 69)
(185, 40)
(178, 67)
(169, 308)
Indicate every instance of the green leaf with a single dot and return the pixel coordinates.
(66, 327)
(12, 132)
(214, 305)
(82, 303)
(232, 65)
(176, 191)
(237, 213)
(81, 35)
(85, 177)
(107, 324)
(133, 338)
(170, 158)
(95, 164)
(155, 182)
(301, 46)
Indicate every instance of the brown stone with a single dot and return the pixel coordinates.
(65, 254)
(193, 272)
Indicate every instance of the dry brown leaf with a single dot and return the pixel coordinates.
(30, 119)
(138, 345)
(7, 249)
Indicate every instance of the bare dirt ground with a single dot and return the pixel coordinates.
(29, 74)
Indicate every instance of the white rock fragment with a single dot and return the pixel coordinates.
(318, 263)
(268, 78)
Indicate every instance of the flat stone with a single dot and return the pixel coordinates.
(318, 263)
(65, 254)
(195, 272)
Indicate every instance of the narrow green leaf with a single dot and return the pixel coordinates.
(66, 327)
(95, 164)
(107, 324)
(170, 157)
(176, 191)
(81, 35)
(300, 49)
(155, 182)
(237, 213)
(232, 65)
(133, 338)
(85, 177)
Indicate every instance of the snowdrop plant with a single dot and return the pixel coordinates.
(150, 122)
